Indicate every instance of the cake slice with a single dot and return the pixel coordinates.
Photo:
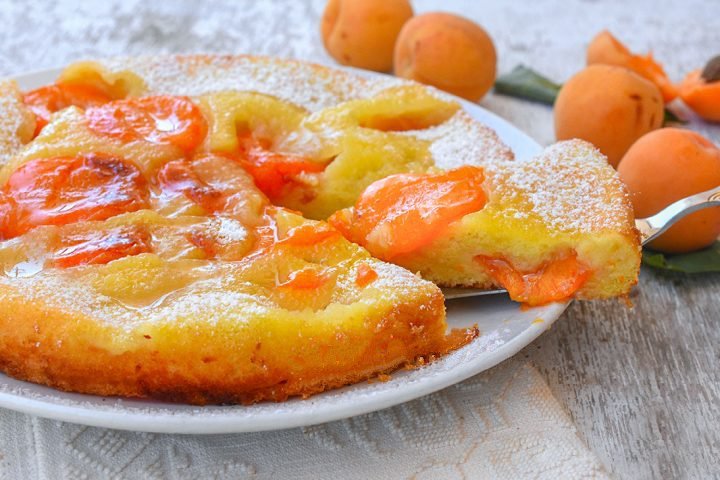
(556, 227)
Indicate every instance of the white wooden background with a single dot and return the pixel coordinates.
(642, 385)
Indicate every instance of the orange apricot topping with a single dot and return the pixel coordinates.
(101, 247)
(701, 95)
(608, 50)
(365, 275)
(554, 281)
(273, 172)
(170, 120)
(309, 235)
(268, 237)
(58, 191)
(204, 242)
(45, 101)
(305, 279)
(178, 176)
(402, 213)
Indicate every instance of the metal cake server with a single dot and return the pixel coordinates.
(650, 228)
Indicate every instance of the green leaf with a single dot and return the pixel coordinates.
(523, 82)
(707, 260)
(670, 118)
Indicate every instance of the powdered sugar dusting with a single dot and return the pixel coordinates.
(461, 140)
(570, 187)
(230, 230)
(310, 86)
(13, 119)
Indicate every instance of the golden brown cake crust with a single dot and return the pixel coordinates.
(40, 344)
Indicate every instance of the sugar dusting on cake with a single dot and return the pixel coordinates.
(570, 187)
(14, 120)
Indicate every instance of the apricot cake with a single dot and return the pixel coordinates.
(162, 234)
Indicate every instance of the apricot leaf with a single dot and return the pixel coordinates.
(523, 82)
(707, 260)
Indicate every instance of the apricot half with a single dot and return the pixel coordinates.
(665, 166)
(701, 91)
(605, 49)
(608, 106)
(362, 33)
(448, 52)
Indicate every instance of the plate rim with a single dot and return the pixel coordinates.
(194, 422)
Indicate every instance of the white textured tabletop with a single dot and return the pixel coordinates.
(641, 386)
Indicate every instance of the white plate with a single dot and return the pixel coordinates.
(505, 329)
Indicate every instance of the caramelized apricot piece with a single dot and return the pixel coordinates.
(179, 176)
(702, 96)
(402, 213)
(45, 101)
(273, 172)
(101, 247)
(58, 191)
(608, 50)
(309, 235)
(203, 241)
(365, 275)
(164, 119)
(554, 281)
(305, 279)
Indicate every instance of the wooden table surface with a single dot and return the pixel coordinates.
(642, 384)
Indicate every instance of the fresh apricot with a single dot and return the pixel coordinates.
(608, 106)
(605, 49)
(448, 52)
(701, 91)
(665, 166)
(362, 33)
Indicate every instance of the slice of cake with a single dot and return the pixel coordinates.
(556, 227)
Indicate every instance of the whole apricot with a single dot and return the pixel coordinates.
(362, 33)
(448, 52)
(608, 106)
(605, 49)
(665, 166)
